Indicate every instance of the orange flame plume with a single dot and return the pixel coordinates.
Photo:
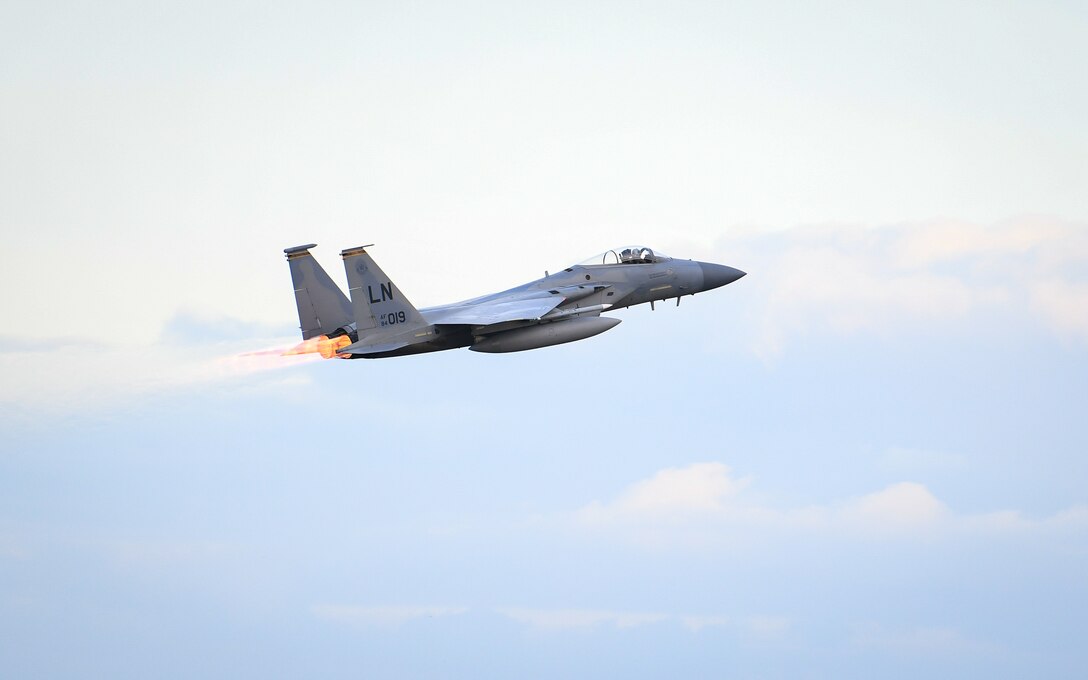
(322, 344)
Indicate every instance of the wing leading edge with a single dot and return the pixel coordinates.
(490, 312)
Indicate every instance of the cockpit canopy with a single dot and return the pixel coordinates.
(626, 255)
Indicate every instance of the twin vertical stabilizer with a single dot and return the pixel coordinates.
(381, 311)
(322, 306)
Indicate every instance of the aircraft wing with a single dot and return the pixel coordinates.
(487, 312)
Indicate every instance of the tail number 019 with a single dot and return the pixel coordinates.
(391, 319)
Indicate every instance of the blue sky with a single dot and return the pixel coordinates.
(866, 458)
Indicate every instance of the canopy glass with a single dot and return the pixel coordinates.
(626, 255)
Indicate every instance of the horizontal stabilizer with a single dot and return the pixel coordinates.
(388, 343)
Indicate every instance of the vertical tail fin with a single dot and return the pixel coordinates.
(378, 305)
(322, 306)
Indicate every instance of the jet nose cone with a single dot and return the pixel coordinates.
(717, 275)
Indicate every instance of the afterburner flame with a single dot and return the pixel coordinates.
(322, 344)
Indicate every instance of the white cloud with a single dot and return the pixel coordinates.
(899, 506)
(1063, 305)
(939, 242)
(703, 505)
(700, 487)
(845, 280)
(387, 616)
(676, 506)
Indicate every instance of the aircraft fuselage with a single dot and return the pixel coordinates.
(558, 308)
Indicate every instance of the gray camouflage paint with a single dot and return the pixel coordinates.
(562, 307)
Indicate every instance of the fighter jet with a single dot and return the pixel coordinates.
(375, 320)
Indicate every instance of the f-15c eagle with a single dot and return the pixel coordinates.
(378, 321)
